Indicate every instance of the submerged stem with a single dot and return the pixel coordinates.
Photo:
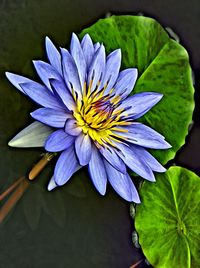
(19, 187)
(16, 195)
(136, 264)
(10, 189)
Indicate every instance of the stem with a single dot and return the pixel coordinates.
(10, 189)
(35, 171)
(136, 264)
(19, 187)
(6, 208)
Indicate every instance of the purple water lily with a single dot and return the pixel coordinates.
(89, 117)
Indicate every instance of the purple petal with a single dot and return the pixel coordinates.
(46, 72)
(96, 46)
(66, 166)
(51, 117)
(53, 55)
(79, 58)
(97, 171)
(142, 135)
(16, 80)
(70, 71)
(83, 148)
(140, 103)
(148, 158)
(113, 63)
(41, 95)
(126, 82)
(88, 48)
(64, 94)
(72, 128)
(58, 141)
(134, 161)
(110, 155)
(122, 184)
(97, 67)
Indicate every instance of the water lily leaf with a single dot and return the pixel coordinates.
(168, 222)
(163, 67)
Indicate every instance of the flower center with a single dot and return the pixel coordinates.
(98, 116)
(97, 113)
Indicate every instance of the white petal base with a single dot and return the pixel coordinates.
(32, 136)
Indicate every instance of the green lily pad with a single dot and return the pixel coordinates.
(168, 220)
(163, 67)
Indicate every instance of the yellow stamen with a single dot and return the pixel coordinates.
(97, 116)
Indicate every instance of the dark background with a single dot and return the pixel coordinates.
(74, 226)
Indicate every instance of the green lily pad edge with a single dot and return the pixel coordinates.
(168, 219)
(163, 67)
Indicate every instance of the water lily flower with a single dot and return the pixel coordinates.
(89, 116)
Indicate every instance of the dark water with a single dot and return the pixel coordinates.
(73, 226)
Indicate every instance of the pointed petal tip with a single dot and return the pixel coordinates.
(101, 48)
(103, 193)
(168, 145)
(11, 77)
(135, 197)
(137, 201)
(134, 75)
(164, 145)
(11, 143)
(74, 37)
(160, 96)
(161, 170)
(15, 143)
(32, 114)
(87, 35)
(152, 178)
(135, 70)
(117, 51)
(35, 62)
(156, 95)
(63, 51)
(97, 44)
(48, 40)
(7, 74)
(52, 185)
